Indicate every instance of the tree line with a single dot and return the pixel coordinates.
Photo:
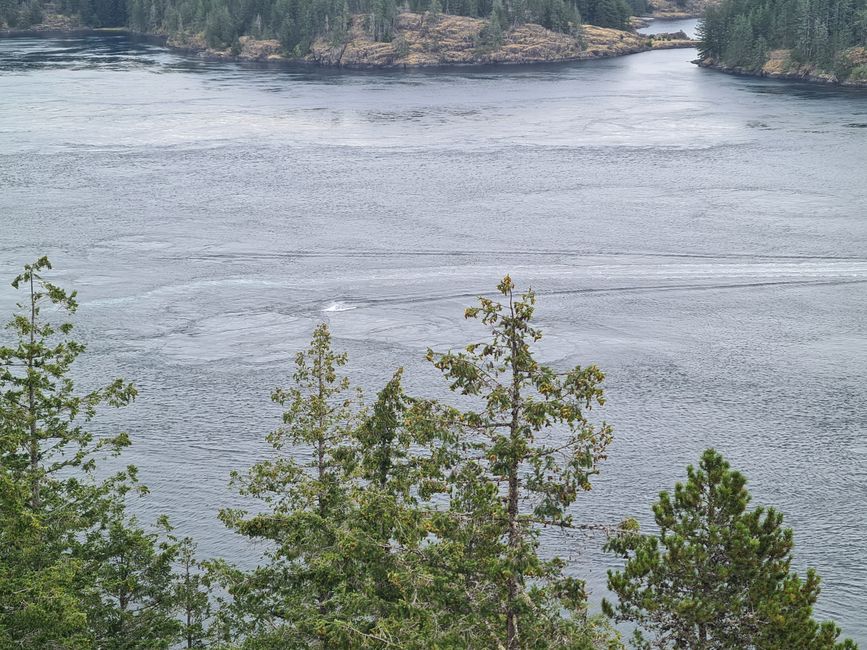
(297, 23)
(400, 523)
(741, 33)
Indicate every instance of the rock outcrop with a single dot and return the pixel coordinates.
(851, 68)
(436, 40)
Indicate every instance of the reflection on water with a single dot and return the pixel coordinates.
(700, 236)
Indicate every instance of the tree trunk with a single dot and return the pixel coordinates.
(320, 444)
(514, 540)
(320, 465)
(187, 604)
(31, 405)
(514, 533)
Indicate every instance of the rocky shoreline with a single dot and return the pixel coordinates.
(779, 66)
(422, 40)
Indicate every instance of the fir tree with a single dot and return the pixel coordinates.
(65, 532)
(397, 468)
(529, 450)
(132, 601)
(192, 596)
(717, 576)
(293, 599)
(47, 460)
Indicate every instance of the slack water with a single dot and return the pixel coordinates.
(701, 237)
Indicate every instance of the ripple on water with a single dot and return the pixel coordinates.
(699, 236)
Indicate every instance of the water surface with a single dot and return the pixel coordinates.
(688, 26)
(702, 237)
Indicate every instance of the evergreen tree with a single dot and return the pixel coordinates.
(741, 33)
(739, 50)
(293, 600)
(529, 450)
(219, 28)
(717, 576)
(609, 13)
(192, 596)
(131, 582)
(397, 469)
(350, 528)
(75, 572)
(492, 34)
(499, 16)
(39, 607)
(47, 461)
(298, 23)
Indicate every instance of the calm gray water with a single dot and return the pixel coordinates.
(702, 237)
(656, 26)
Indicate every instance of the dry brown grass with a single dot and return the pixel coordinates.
(427, 40)
(424, 40)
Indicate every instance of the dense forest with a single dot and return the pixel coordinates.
(403, 522)
(296, 23)
(826, 34)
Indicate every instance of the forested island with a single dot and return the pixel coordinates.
(402, 522)
(813, 40)
(368, 33)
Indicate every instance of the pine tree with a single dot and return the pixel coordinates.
(717, 576)
(62, 527)
(46, 459)
(397, 468)
(132, 603)
(292, 600)
(192, 596)
(529, 450)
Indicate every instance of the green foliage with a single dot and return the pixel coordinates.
(192, 595)
(20, 14)
(557, 15)
(292, 600)
(717, 576)
(130, 581)
(298, 23)
(349, 529)
(219, 28)
(739, 33)
(397, 471)
(33, 12)
(858, 73)
(607, 13)
(43, 418)
(530, 433)
(395, 531)
(410, 524)
(75, 572)
(491, 35)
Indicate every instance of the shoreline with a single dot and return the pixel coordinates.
(799, 77)
(420, 37)
(55, 32)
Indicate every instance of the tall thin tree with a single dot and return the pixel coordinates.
(531, 450)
